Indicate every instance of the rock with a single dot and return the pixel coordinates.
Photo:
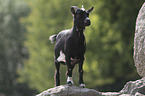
(141, 90)
(134, 87)
(65, 90)
(131, 88)
(139, 42)
(139, 94)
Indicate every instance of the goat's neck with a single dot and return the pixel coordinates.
(77, 32)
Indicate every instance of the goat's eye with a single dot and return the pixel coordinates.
(78, 16)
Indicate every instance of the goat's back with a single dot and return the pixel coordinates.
(63, 34)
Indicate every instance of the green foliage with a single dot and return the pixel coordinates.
(109, 41)
(12, 51)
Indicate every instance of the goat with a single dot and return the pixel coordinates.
(70, 45)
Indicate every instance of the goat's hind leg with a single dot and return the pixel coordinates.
(57, 73)
(81, 82)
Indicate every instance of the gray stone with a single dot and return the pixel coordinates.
(133, 87)
(139, 42)
(141, 90)
(65, 90)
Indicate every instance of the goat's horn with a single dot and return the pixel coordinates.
(75, 7)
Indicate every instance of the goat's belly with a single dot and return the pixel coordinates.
(74, 61)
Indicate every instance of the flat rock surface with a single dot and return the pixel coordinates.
(65, 90)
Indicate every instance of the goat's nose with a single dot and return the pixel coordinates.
(87, 22)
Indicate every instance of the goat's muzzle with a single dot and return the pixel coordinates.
(87, 22)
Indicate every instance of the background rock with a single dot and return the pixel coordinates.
(139, 42)
(137, 87)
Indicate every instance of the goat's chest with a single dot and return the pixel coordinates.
(77, 48)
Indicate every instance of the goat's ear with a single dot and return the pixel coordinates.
(90, 10)
(73, 9)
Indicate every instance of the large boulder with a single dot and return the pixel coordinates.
(139, 42)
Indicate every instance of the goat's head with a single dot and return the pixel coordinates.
(81, 16)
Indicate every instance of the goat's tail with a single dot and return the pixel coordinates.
(53, 38)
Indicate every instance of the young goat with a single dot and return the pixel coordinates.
(70, 45)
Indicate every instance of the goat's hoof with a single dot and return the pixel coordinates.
(70, 83)
(82, 85)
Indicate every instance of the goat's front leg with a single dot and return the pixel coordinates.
(81, 82)
(69, 71)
